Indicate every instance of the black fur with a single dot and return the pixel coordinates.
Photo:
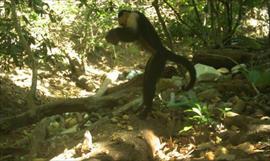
(146, 35)
(121, 12)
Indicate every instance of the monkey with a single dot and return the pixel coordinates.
(134, 26)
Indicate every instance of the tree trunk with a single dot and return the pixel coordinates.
(268, 8)
(26, 46)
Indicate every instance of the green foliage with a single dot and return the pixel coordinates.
(183, 101)
(247, 43)
(209, 23)
(253, 3)
(224, 111)
(258, 77)
(82, 25)
(10, 46)
(185, 129)
(200, 114)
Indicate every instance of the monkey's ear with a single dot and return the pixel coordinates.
(112, 37)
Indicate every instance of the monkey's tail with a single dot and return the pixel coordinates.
(178, 59)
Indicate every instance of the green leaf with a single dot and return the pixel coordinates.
(254, 76)
(185, 129)
(197, 111)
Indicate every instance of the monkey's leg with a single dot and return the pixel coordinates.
(153, 71)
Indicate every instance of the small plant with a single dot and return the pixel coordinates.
(258, 77)
(224, 111)
(201, 114)
(185, 129)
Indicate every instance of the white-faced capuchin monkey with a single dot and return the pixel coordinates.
(134, 26)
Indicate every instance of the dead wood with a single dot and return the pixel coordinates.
(127, 106)
(88, 104)
(115, 96)
(222, 57)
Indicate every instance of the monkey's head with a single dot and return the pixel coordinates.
(123, 17)
(127, 18)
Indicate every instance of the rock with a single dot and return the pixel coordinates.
(209, 155)
(239, 106)
(132, 74)
(220, 150)
(223, 70)
(69, 122)
(204, 146)
(54, 127)
(226, 157)
(125, 117)
(238, 68)
(209, 94)
(114, 120)
(206, 73)
(247, 147)
(71, 130)
(130, 128)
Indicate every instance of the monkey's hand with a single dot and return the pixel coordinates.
(112, 37)
(122, 34)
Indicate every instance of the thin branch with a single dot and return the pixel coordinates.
(196, 32)
(168, 35)
(197, 12)
(268, 9)
(240, 12)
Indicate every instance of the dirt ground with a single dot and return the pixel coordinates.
(168, 134)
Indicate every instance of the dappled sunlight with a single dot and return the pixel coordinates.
(71, 154)
(82, 150)
(21, 77)
(54, 86)
(90, 69)
(258, 22)
(107, 89)
(49, 87)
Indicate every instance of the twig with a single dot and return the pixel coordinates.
(168, 35)
(185, 23)
(124, 108)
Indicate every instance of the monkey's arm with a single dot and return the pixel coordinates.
(121, 34)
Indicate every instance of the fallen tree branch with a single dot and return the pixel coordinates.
(88, 104)
(114, 96)
(127, 106)
(222, 57)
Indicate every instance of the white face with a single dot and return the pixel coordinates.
(129, 19)
(122, 20)
(132, 20)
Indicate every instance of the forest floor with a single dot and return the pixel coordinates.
(222, 119)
